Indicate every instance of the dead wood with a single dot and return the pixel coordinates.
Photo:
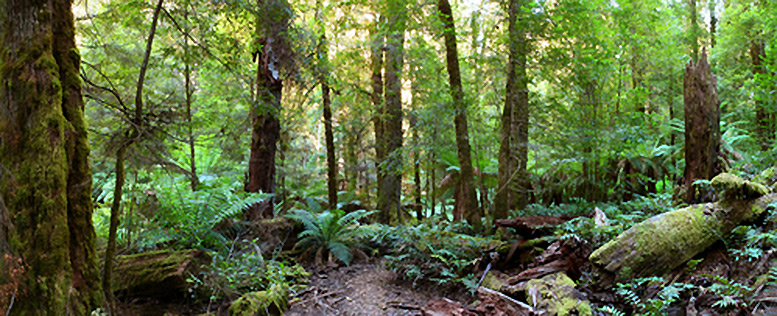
(159, 274)
(531, 227)
(664, 242)
(563, 256)
(493, 303)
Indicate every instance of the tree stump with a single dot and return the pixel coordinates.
(702, 124)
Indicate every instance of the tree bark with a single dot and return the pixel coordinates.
(702, 124)
(513, 147)
(266, 123)
(378, 118)
(323, 65)
(194, 180)
(694, 33)
(45, 183)
(392, 118)
(763, 122)
(466, 204)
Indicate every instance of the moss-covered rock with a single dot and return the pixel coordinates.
(734, 187)
(555, 294)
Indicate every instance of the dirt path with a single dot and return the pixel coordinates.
(361, 289)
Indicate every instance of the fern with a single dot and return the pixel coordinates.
(333, 232)
(612, 311)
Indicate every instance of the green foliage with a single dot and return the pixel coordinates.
(430, 252)
(331, 232)
(621, 217)
(732, 294)
(753, 241)
(173, 215)
(233, 274)
(634, 291)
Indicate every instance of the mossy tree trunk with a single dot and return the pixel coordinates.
(702, 124)
(512, 191)
(466, 203)
(45, 181)
(664, 242)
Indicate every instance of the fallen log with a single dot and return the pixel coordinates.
(530, 227)
(664, 242)
(562, 256)
(159, 274)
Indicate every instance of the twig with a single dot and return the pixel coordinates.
(10, 306)
(399, 305)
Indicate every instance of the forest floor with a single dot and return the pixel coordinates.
(366, 288)
(361, 289)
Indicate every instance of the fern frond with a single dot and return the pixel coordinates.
(341, 251)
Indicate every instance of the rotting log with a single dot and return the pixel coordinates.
(664, 242)
(159, 274)
(531, 227)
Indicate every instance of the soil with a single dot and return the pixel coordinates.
(361, 289)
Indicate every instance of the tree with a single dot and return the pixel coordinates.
(513, 147)
(131, 137)
(326, 102)
(466, 202)
(391, 166)
(45, 182)
(271, 28)
(376, 95)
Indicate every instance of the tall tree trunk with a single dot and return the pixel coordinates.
(713, 23)
(323, 68)
(264, 139)
(392, 124)
(378, 118)
(694, 32)
(702, 124)
(194, 180)
(763, 122)
(45, 183)
(466, 204)
(513, 147)
(416, 144)
(266, 110)
(138, 123)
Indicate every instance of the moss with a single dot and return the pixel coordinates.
(768, 177)
(665, 241)
(556, 294)
(139, 272)
(492, 282)
(268, 302)
(734, 187)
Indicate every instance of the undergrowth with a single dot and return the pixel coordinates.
(429, 252)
